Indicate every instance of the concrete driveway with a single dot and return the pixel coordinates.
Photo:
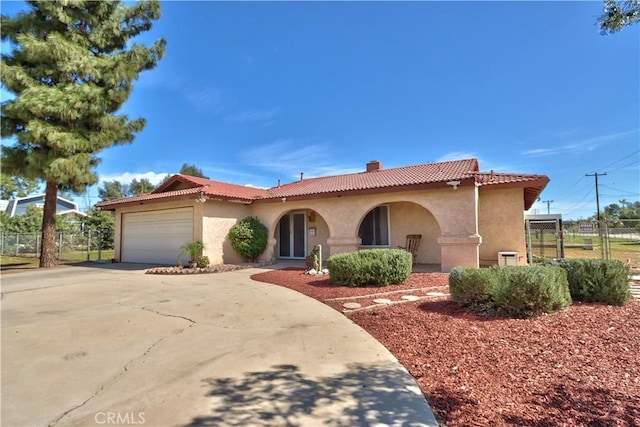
(109, 345)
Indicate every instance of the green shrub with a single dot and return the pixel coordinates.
(371, 267)
(597, 280)
(203, 262)
(521, 292)
(249, 238)
(530, 291)
(472, 287)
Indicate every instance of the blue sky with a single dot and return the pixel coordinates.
(253, 92)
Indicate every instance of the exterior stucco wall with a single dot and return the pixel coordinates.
(501, 224)
(147, 207)
(453, 211)
(322, 234)
(459, 227)
(410, 218)
(218, 218)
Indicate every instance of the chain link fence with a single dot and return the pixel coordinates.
(544, 239)
(85, 246)
(607, 239)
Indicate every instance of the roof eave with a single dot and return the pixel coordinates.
(531, 188)
(463, 182)
(112, 206)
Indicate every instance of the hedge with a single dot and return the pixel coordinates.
(596, 280)
(370, 267)
(521, 292)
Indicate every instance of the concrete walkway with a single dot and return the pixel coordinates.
(109, 345)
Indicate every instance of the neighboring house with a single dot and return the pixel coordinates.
(18, 206)
(465, 216)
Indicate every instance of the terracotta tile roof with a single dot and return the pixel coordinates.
(493, 178)
(426, 175)
(151, 196)
(218, 189)
(379, 179)
(532, 184)
(179, 186)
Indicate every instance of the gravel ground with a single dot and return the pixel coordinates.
(580, 367)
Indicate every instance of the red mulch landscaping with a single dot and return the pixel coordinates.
(580, 367)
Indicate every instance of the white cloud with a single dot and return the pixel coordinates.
(256, 186)
(202, 98)
(586, 144)
(294, 156)
(126, 177)
(484, 163)
(253, 115)
(457, 155)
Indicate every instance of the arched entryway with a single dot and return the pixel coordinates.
(298, 231)
(387, 225)
(292, 235)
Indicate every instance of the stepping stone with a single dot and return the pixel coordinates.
(435, 294)
(351, 305)
(382, 301)
(410, 297)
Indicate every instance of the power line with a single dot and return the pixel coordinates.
(625, 166)
(577, 208)
(573, 185)
(619, 160)
(579, 204)
(621, 191)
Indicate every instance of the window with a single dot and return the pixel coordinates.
(374, 230)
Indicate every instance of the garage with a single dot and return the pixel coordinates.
(155, 237)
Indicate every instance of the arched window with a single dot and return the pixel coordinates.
(374, 229)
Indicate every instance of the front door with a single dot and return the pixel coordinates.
(292, 241)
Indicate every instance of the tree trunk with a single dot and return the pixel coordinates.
(48, 248)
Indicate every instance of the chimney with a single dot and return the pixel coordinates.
(374, 165)
(301, 176)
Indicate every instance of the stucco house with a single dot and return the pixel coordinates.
(19, 205)
(465, 216)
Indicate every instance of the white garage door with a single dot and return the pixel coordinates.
(155, 237)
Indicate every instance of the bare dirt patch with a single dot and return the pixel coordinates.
(574, 368)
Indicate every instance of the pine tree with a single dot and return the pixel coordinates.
(619, 14)
(71, 69)
(192, 170)
(15, 186)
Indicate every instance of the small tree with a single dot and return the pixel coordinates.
(103, 222)
(193, 250)
(249, 238)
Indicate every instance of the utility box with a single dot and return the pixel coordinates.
(507, 258)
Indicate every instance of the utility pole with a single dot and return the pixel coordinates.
(597, 194)
(548, 202)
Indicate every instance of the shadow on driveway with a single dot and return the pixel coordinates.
(283, 395)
